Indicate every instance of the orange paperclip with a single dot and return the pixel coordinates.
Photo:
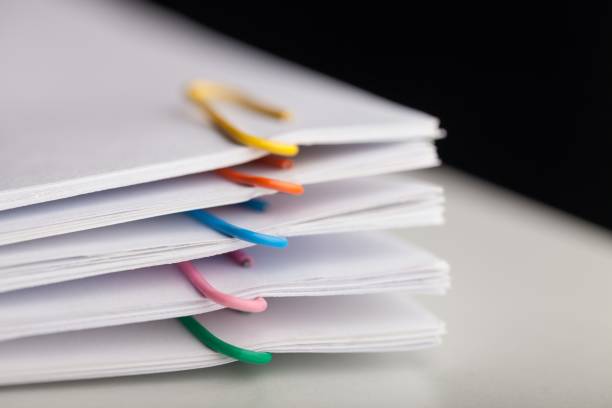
(265, 182)
(275, 161)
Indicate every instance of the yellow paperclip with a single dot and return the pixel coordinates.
(204, 92)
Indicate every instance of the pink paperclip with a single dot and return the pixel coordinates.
(256, 305)
(241, 258)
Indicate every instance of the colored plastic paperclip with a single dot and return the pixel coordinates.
(216, 344)
(233, 302)
(265, 182)
(241, 258)
(275, 161)
(255, 204)
(231, 230)
(204, 92)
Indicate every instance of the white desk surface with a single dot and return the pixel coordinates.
(529, 320)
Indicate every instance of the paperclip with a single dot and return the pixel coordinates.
(216, 344)
(275, 161)
(231, 230)
(256, 305)
(241, 258)
(204, 92)
(257, 181)
(255, 204)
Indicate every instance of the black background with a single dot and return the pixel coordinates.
(523, 90)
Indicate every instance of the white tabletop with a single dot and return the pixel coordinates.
(529, 320)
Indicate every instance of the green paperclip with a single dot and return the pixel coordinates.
(216, 344)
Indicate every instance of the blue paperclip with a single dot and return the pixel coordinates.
(255, 204)
(231, 230)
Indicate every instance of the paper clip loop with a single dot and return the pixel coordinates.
(256, 305)
(204, 92)
(257, 181)
(216, 344)
(232, 230)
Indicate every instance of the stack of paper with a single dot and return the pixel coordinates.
(121, 215)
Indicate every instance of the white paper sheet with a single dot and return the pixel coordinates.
(92, 99)
(313, 165)
(339, 264)
(334, 324)
(350, 205)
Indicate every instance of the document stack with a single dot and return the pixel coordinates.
(171, 199)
